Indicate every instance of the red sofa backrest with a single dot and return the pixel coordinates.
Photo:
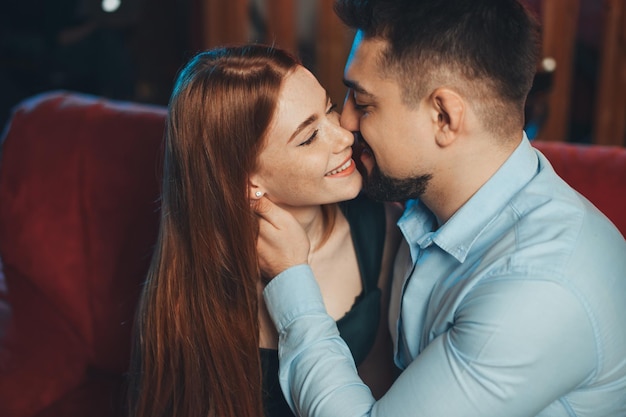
(79, 189)
(597, 172)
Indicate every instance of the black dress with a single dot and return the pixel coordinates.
(358, 327)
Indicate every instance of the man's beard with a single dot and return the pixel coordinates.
(381, 187)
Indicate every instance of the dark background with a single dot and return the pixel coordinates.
(130, 54)
(135, 52)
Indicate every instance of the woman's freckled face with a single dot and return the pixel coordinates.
(307, 156)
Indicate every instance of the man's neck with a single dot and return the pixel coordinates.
(467, 171)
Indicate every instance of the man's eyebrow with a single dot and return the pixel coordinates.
(354, 85)
(312, 118)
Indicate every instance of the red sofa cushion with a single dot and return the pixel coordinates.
(43, 358)
(79, 186)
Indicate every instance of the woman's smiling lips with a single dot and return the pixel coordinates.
(345, 169)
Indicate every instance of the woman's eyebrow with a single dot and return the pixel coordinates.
(312, 118)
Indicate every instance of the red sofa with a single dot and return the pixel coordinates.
(79, 181)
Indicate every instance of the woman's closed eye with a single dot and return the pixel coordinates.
(310, 139)
(331, 110)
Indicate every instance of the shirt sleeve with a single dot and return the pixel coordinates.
(311, 350)
(514, 348)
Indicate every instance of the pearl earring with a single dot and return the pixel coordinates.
(258, 194)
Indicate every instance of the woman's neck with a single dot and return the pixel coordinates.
(311, 219)
(325, 256)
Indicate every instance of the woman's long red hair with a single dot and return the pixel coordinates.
(195, 352)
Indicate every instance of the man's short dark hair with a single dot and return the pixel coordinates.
(493, 42)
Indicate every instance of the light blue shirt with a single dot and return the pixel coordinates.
(516, 306)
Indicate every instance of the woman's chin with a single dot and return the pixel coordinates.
(355, 187)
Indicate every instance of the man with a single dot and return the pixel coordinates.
(509, 291)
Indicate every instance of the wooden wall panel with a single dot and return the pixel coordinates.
(223, 22)
(559, 19)
(333, 46)
(281, 23)
(610, 117)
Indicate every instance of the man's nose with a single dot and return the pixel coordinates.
(350, 115)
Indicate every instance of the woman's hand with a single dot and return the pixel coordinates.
(282, 242)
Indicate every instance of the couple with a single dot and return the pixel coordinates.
(508, 289)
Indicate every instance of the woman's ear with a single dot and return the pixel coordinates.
(450, 110)
(255, 191)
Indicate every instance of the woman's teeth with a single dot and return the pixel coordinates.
(341, 168)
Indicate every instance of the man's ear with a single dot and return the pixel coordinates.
(450, 109)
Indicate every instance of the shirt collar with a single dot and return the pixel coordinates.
(459, 233)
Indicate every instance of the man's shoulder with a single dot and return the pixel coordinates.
(551, 208)
(549, 226)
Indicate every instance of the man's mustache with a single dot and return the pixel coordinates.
(358, 147)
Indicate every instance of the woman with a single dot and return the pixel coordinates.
(247, 122)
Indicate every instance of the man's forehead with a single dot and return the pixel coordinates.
(356, 44)
(362, 67)
(365, 54)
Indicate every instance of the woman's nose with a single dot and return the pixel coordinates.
(342, 138)
(349, 116)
